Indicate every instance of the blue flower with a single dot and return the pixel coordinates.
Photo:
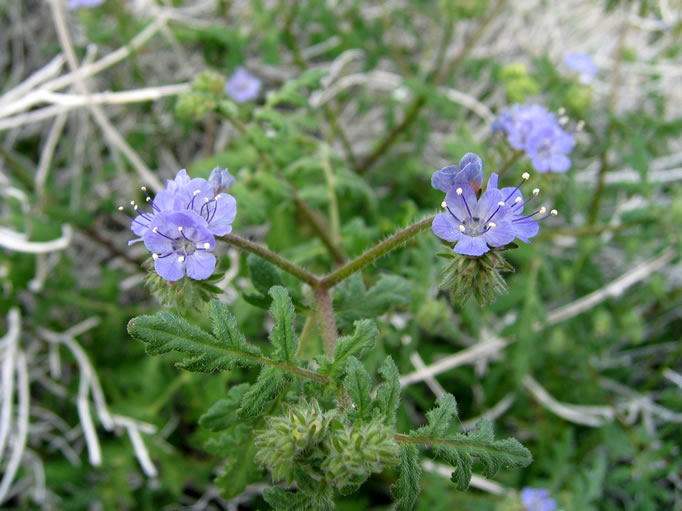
(184, 217)
(76, 4)
(536, 131)
(469, 171)
(583, 64)
(180, 243)
(548, 147)
(243, 86)
(493, 220)
(537, 499)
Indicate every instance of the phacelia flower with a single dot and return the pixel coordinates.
(76, 4)
(537, 499)
(180, 243)
(493, 220)
(581, 63)
(469, 171)
(243, 86)
(182, 223)
(536, 131)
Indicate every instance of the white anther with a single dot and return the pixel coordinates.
(132, 202)
(580, 126)
(536, 191)
(207, 246)
(120, 208)
(561, 111)
(462, 228)
(554, 212)
(218, 197)
(149, 199)
(143, 188)
(180, 228)
(443, 204)
(501, 203)
(563, 120)
(155, 256)
(181, 259)
(206, 199)
(136, 207)
(525, 176)
(518, 200)
(542, 210)
(459, 191)
(196, 192)
(155, 230)
(492, 225)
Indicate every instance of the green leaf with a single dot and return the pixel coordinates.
(240, 470)
(262, 394)
(282, 500)
(223, 414)
(462, 463)
(282, 336)
(439, 418)
(358, 385)
(164, 332)
(263, 274)
(388, 393)
(225, 328)
(406, 489)
(352, 302)
(362, 340)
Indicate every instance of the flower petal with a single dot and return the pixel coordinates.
(170, 268)
(526, 229)
(200, 265)
(471, 246)
(223, 216)
(471, 171)
(444, 179)
(499, 235)
(458, 203)
(445, 227)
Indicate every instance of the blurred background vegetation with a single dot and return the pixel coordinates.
(361, 101)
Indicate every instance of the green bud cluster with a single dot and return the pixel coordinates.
(292, 438)
(324, 446)
(517, 82)
(207, 90)
(355, 451)
(479, 277)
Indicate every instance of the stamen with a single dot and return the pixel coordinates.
(181, 259)
(536, 191)
(518, 199)
(580, 125)
(462, 228)
(208, 245)
(442, 205)
(460, 192)
(525, 176)
(554, 212)
(561, 111)
(155, 256)
(149, 199)
(527, 217)
(180, 228)
(499, 205)
(492, 225)
(209, 220)
(120, 208)
(155, 230)
(453, 215)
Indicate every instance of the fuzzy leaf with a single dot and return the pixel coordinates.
(352, 302)
(358, 385)
(406, 489)
(225, 328)
(282, 500)
(240, 470)
(282, 336)
(388, 393)
(258, 399)
(362, 340)
(263, 274)
(440, 417)
(164, 332)
(223, 413)
(462, 463)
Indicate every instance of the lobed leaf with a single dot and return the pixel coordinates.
(362, 340)
(353, 302)
(358, 385)
(262, 394)
(406, 489)
(282, 336)
(388, 393)
(223, 414)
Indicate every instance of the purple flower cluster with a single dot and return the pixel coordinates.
(581, 63)
(479, 221)
(537, 499)
(243, 86)
(181, 227)
(536, 131)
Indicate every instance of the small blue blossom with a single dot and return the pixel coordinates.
(493, 220)
(469, 171)
(180, 243)
(536, 131)
(537, 499)
(76, 4)
(243, 86)
(581, 63)
(184, 218)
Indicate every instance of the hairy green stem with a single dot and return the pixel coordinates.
(272, 257)
(306, 335)
(375, 253)
(327, 322)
